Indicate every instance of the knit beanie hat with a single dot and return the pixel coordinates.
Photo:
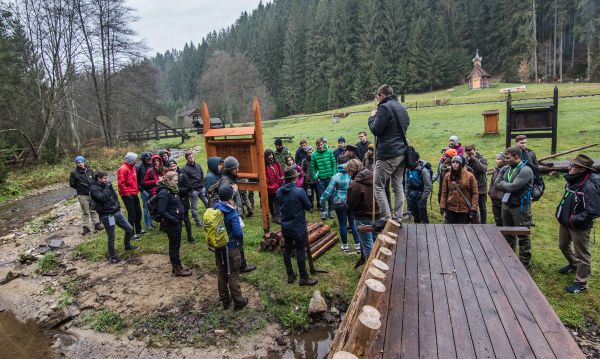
(500, 156)
(225, 192)
(458, 159)
(130, 157)
(231, 163)
(309, 148)
(451, 152)
(454, 138)
(80, 159)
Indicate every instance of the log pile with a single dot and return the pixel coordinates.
(320, 240)
(363, 319)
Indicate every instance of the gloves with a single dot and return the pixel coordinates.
(473, 214)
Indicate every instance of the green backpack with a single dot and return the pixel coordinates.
(214, 228)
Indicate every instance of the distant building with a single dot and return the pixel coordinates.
(190, 116)
(478, 78)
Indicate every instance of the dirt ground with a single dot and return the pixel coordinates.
(139, 287)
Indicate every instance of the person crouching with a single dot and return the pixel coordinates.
(229, 258)
(171, 211)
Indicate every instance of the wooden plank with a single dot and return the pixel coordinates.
(410, 319)
(393, 332)
(511, 325)
(427, 341)
(479, 333)
(536, 339)
(441, 311)
(460, 326)
(514, 231)
(562, 343)
(500, 339)
(233, 131)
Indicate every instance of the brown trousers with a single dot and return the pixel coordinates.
(582, 258)
(229, 283)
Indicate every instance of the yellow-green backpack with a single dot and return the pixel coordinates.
(214, 228)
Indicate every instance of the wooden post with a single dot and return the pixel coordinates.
(344, 355)
(391, 226)
(554, 121)
(371, 311)
(384, 254)
(386, 241)
(374, 290)
(380, 265)
(262, 178)
(509, 123)
(374, 273)
(361, 334)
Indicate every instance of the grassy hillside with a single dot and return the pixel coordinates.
(579, 123)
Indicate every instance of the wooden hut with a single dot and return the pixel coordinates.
(478, 78)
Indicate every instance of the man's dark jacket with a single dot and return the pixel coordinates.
(292, 204)
(81, 180)
(141, 170)
(184, 184)
(213, 174)
(479, 168)
(361, 149)
(390, 142)
(105, 198)
(300, 156)
(169, 206)
(195, 174)
(582, 202)
(360, 196)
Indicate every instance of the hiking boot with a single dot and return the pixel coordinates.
(199, 223)
(98, 227)
(247, 268)
(345, 248)
(323, 216)
(249, 214)
(357, 247)
(568, 269)
(575, 288)
(331, 214)
(308, 281)
(292, 278)
(241, 305)
(226, 305)
(191, 240)
(181, 272)
(86, 230)
(135, 237)
(131, 247)
(114, 260)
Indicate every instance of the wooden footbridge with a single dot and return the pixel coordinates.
(449, 291)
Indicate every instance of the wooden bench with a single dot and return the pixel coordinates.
(284, 138)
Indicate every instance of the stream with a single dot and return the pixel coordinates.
(23, 340)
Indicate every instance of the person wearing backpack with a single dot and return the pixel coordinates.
(479, 166)
(153, 175)
(107, 205)
(171, 212)
(418, 188)
(293, 203)
(310, 184)
(185, 191)
(338, 190)
(215, 169)
(128, 190)
(228, 257)
(516, 181)
(460, 198)
(575, 213)
(360, 202)
(527, 154)
(495, 194)
(195, 174)
(80, 180)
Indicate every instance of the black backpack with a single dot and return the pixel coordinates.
(538, 182)
(153, 208)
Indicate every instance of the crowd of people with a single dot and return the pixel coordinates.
(351, 183)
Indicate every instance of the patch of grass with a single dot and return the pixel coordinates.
(71, 288)
(106, 321)
(47, 262)
(36, 225)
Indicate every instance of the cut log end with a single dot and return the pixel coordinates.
(344, 355)
(374, 273)
(380, 265)
(384, 254)
(371, 311)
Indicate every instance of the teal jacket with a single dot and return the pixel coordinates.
(338, 186)
(322, 164)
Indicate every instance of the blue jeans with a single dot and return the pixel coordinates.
(366, 239)
(345, 218)
(328, 205)
(110, 230)
(417, 206)
(147, 217)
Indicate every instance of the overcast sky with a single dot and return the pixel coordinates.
(169, 24)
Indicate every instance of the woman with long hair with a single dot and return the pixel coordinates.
(459, 202)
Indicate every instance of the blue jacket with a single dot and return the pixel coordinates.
(292, 204)
(232, 223)
(213, 174)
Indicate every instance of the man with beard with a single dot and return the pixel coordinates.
(516, 181)
(576, 212)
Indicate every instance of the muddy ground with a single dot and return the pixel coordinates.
(163, 313)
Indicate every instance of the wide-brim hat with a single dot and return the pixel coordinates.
(290, 173)
(583, 161)
(351, 148)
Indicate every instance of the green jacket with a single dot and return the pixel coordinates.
(323, 164)
(280, 156)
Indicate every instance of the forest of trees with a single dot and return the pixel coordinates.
(71, 70)
(314, 55)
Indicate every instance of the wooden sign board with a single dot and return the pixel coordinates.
(246, 145)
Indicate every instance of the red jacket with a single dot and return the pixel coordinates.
(151, 180)
(127, 180)
(274, 177)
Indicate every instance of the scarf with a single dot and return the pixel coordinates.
(172, 189)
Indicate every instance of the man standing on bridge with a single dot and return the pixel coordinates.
(388, 123)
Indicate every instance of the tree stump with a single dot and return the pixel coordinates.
(364, 329)
(384, 254)
(391, 226)
(344, 355)
(380, 265)
(386, 241)
(374, 290)
(374, 273)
